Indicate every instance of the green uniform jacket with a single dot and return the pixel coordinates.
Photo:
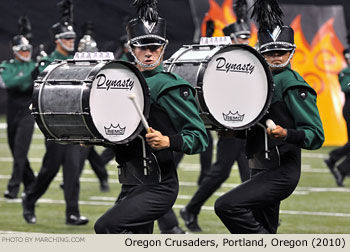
(180, 105)
(17, 74)
(344, 80)
(300, 99)
(50, 58)
(174, 112)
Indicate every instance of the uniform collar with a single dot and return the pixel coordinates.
(150, 73)
(281, 70)
(58, 55)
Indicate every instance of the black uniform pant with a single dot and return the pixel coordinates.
(20, 127)
(343, 151)
(137, 207)
(169, 220)
(96, 162)
(253, 206)
(228, 151)
(56, 155)
(107, 155)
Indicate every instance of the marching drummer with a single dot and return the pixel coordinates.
(16, 74)
(253, 207)
(228, 149)
(57, 154)
(146, 168)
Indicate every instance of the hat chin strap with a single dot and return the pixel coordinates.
(284, 64)
(68, 49)
(26, 59)
(148, 65)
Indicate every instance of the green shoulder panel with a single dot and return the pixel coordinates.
(163, 81)
(289, 79)
(344, 80)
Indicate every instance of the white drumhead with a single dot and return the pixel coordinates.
(113, 113)
(235, 87)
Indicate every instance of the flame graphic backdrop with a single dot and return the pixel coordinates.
(319, 63)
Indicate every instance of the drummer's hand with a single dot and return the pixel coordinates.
(157, 140)
(277, 133)
(226, 133)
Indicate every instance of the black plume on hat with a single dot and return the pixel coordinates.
(147, 10)
(268, 14)
(25, 27)
(88, 28)
(241, 9)
(66, 10)
(210, 28)
(272, 34)
(241, 27)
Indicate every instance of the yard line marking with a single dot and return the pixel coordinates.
(208, 208)
(194, 184)
(33, 146)
(35, 136)
(304, 168)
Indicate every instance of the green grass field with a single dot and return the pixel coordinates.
(317, 205)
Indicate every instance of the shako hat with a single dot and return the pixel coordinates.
(21, 42)
(64, 28)
(240, 28)
(148, 28)
(273, 35)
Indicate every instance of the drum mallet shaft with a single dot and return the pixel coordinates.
(132, 97)
(271, 125)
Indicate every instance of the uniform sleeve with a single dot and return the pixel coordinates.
(309, 130)
(13, 79)
(344, 80)
(182, 109)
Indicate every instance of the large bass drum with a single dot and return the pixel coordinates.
(233, 82)
(87, 101)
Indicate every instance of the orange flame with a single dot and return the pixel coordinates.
(319, 64)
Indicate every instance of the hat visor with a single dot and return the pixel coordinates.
(66, 35)
(276, 47)
(147, 42)
(23, 48)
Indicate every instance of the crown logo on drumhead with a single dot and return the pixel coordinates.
(115, 130)
(233, 117)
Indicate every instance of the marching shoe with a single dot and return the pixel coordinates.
(174, 230)
(10, 195)
(104, 187)
(190, 219)
(330, 164)
(28, 212)
(339, 177)
(76, 220)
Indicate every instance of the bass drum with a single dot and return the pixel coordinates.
(233, 82)
(77, 101)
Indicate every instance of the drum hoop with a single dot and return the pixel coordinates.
(85, 101)
(45, 75)
(269, 82)
(146, 96)
(173, 61)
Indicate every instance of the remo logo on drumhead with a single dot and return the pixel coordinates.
(113, 113)
(235, 88)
